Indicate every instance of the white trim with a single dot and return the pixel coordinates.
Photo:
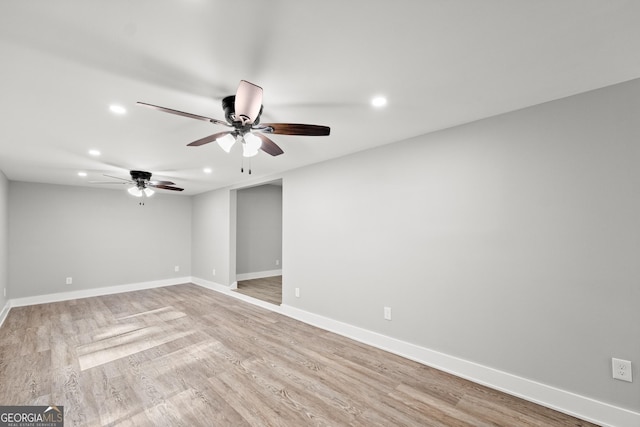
(564, 401)
(560, 400)
(258, 274)
(211, 285)
(86, 293)
(5, 312)
(264, 180)
(229, 290)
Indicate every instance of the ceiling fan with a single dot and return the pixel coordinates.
(141, 183)
(242, 113)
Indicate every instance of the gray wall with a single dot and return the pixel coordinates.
(98, 237)
(512, 242)
(211, 246)
(259, 229)
(4, 239)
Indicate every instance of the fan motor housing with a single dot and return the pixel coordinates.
(140, 175)
(229, 107)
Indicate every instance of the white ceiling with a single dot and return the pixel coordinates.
(440, 63)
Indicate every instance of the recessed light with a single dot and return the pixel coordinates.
(207, 170)
(82, 174)
(94, 152)
(117, 109)
(379, 101)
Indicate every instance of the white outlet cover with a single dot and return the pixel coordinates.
(387, 313)
(69, 280)
(297, 292)
(177, 268)
(621, 369)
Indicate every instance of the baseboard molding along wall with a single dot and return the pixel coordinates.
(87, 293)
(258, 275)
(560, 400)
(4, 312)
(229, 290)
(564, 401)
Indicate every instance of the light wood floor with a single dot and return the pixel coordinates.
(267, 289)
(187, 356)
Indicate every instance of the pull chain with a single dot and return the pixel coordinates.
(242, 166)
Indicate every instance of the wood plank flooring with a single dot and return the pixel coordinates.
(267, 289)
(188, 356)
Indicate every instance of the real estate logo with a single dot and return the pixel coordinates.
(32, 416)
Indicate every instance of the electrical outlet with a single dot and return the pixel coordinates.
(277, 262)
(297, 292)
(214, 271)
(177, 268)
(69, 280)
(387, 313)
(621, 369)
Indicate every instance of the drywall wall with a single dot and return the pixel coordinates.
(4, 240)
(259, 229)
(98, 237)
(213, 218)
(511, 242)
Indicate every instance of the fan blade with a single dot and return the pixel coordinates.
(293, 129)
(208, 139)
(109, 182)
(183, 114)
(124, 181)
(248, 101)
(268, 146)
(161, 183)
(117, 177)
(166, 187)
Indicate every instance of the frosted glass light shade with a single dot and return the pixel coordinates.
(251, 145)
(226, 142)
(135, 191)
(248, 152)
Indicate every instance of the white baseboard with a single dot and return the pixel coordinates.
(564, 401)
(86, 293)
(211, 285)
(258, 275)
(229, 290)
(560, 400)
(4, 312)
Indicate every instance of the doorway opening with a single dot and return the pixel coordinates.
(259, 241)
(268, 289)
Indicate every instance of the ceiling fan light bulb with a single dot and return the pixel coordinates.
(252, 142)
(135, 191)
(148, 192)
(248, 152)
(226, 142)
